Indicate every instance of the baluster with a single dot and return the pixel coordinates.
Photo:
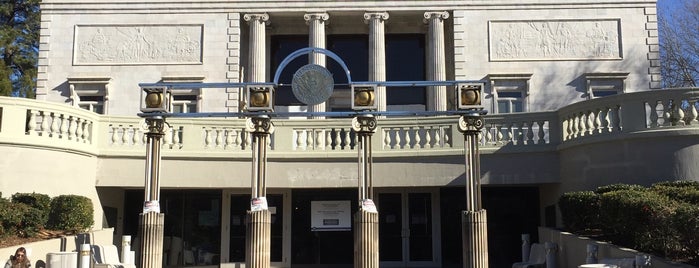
(44, 123)
(407, 138)
(604, 120)
(428, 138)
(438, 138)
(542, 133)
(297, 141)
(574, 126)
(338, 140)
(54, 124)
(692, 112)
(488, 135)
(78, 129)
(125, 135)
(64, 126)
(498, 135)
(136, 136)
(653, 114)
(31, 124)
(319, 139)
(593, 122)
(207, 138)
(71, 127)
(176, 138)
(418, 140)
(87, 134)
(238, 143)
(115, 135)
(568, 128)
(348, 140)
(530, 133)
(387, 138)
(229, 139)
(398, 141)
(582, 124)
(218, 141)
(329, 139)
(309, 139)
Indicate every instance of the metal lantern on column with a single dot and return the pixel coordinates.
(155, 99)
(364, 97)
(260, 98)
(469, 96)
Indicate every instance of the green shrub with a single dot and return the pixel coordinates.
(683, 191)
(618, 187)
(580, 210)
(639, 219)
(12, 216)
(686, 221)
(41, 202)
(71, 213)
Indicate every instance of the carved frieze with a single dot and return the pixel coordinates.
(137, 44)
(555, 40)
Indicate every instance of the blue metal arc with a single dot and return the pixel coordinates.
(309, 50)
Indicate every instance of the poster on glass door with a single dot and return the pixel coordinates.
(331, 216)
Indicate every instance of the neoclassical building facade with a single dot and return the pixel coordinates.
(572, 91)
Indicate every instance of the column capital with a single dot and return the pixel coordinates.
(260, 17)
(323, 17)
(429, 15)
(368, 16)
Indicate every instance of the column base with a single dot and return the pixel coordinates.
(257, 239)
(366, 239)
(151, 231)
(475, 238)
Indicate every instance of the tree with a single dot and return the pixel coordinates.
(19, 47)
(679, 44)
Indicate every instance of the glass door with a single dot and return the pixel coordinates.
(408, 228)
(239, 205)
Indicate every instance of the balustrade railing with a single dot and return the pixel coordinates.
(48, 124)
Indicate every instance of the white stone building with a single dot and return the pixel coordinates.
(572, 90)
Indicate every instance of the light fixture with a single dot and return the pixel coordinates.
(155, 99)
(260, 98)
(469, 96)
(364, 97)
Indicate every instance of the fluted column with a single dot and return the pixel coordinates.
(316, 38)
(257, 44)
(474, 220)
(436, 63)
(377, 53)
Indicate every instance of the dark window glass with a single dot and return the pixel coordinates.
(405, 61)
(282, 46)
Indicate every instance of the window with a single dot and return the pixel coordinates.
(509, 92)
(405, 61)
(605, 84)
(185, 100)
(90, 92)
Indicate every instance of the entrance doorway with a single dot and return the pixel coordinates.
(408, 227)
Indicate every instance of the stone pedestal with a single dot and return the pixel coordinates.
(257, 239)
(475, 239)
(151, 234)
(366, 239)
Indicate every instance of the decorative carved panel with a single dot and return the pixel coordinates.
(137, 44)
(555, 40)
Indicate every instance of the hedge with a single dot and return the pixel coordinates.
(71, 212)
(662, 219)
(580, 210)
(40, 202)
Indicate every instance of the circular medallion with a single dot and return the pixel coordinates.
(312, 84)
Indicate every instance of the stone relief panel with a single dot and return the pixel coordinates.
(137, 44)
(555, 40)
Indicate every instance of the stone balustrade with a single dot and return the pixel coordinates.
(35, 123)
